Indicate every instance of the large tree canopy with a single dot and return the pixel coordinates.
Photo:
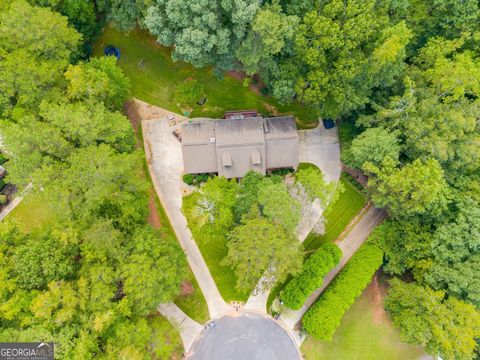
(202, 31)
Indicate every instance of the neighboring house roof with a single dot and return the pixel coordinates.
(232, 147)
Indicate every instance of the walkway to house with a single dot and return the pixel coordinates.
(349, 246)
(320, 147)
(14, 203)
(164, 158)
(188, 328)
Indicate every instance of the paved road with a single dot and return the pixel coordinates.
(164, 158)
(320, 146)
(349, 246)
(244, 336)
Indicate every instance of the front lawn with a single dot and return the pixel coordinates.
(213, 247)
(365, 333)
(154, 76)
(338, 215)
(31, 212)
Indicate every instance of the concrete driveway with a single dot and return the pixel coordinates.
(244, 336)
(320, 147)
(165, 163)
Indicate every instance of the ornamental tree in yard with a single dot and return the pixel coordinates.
(259, 248)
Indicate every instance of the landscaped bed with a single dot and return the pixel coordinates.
(154, 77)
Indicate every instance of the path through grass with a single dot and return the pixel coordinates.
(154, 76)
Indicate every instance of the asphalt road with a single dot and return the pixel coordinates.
(244, 336)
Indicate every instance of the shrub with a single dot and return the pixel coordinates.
(323, 318)
(3, 199)
(2, 184)
(188, 179)
(314, 270)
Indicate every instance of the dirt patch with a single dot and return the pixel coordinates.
(360, 177)
(153, 218)
(272, 109)
(256, 84)
(376, 293)
(186, 288)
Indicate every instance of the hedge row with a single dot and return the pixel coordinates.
(323, 318)
(311, 277)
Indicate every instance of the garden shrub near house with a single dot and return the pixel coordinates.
(314, 270)
(323, 318)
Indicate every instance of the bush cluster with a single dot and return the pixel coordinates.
(314, 270)
(323, 318)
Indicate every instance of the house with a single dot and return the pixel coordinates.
(231, 147)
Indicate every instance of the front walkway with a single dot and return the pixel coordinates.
(164, 159)
(188, 328)
(349, 246)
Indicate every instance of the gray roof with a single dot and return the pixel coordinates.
(232, 147)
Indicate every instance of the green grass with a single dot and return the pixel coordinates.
(155, 81)
(361, 337)
(338, 216)
(31, 212)
(213, 247)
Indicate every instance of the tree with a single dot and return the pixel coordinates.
(152, 272)
(99, 80)
(216, 204)
(346, 49)
(455, 254)
(247, 196)
(202, 32)
(34, 55)
(277, 205)
(416, 188)
(316, 187)
(270, 32)
(373, 145)
(444, 326)
(188, 93)
(260, 248)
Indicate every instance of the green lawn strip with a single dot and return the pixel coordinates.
(194, 304)
(213, 247)
(338, 217)
(359, 337)
(31, 212)
(154, 76)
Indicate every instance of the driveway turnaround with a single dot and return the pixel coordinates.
(165, 163)
(244, 336)
(320, 147)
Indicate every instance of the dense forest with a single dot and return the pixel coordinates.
(402, 77)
